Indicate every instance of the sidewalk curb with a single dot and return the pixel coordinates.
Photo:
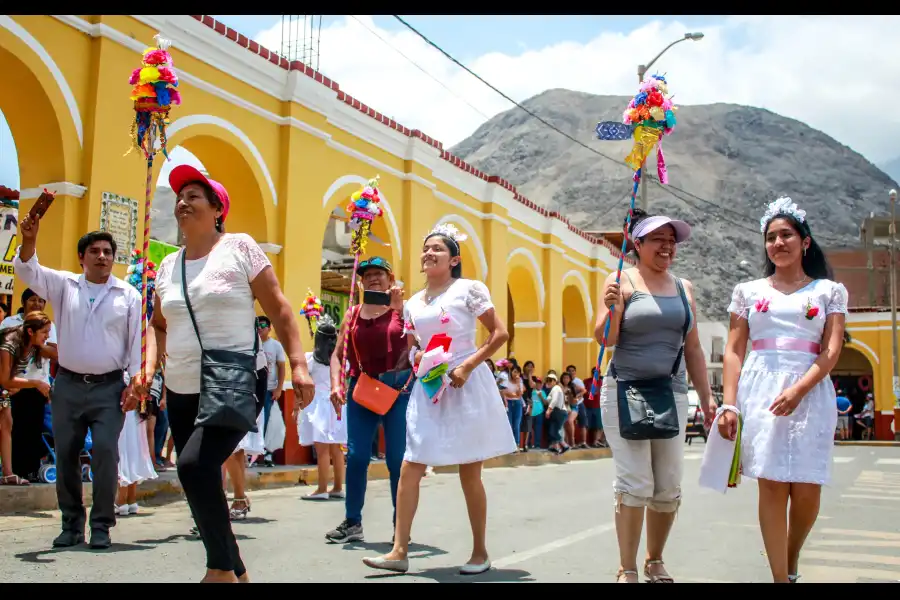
(167, 489)
(873, 444)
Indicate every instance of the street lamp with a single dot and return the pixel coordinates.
(641, 71)
(892, 232)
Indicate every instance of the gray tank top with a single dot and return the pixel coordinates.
(650, 336)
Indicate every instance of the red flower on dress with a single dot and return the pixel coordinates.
(811, 311)
(762, 305)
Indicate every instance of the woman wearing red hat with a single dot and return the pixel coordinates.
(224, 273)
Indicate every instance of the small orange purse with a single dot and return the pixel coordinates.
(369, 392)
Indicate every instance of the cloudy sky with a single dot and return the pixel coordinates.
(820, 70)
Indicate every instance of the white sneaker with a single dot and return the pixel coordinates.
(121, 511)
(132, 509)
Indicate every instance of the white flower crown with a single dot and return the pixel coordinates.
(450, 231)
(782, 206)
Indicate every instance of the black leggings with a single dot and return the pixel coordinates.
(201, 452)
(28, 422)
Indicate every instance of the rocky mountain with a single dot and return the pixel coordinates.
(730, 160)
(892, 168)
(163, 226)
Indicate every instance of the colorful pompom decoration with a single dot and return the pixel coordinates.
(312, 310)
(651, 114)
(134, 276)
(363, 208)
(153, 94)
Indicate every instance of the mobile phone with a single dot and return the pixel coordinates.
(376, 298)
(43, 203)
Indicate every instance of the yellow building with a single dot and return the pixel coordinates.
(290, 147)
(866, 363)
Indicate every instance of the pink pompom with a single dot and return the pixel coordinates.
(648, 85)
(631, 103)
(626, 117)
(157, 57)
(135, 76)
(667, 131)
(174, 96)
(168, 75)
(667, 104)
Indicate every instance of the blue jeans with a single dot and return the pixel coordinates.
(537, 422)
(159, 434)
(362, 425)
(515, 417)
(267, 410)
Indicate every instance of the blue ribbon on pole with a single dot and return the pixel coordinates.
(595, 384)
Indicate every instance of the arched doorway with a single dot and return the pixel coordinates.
(45, 143)
(525, 308)
(577, 316)
(853, 374)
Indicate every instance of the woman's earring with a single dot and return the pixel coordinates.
(804, 252)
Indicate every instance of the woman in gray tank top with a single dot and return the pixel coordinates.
(648, 318)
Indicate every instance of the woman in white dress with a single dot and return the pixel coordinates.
(135, 463)
(468, 424)
(319, 423)
(794, 319)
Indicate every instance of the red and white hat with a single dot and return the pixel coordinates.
(182, 175)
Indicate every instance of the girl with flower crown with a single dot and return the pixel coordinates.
(780, 395)
(465, 424)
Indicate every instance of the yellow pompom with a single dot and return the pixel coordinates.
(149, 75)
(356, 195)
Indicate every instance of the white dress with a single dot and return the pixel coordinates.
(254, 443)
(468, 424)
(319, 422)
(135, 462)
(796, 448)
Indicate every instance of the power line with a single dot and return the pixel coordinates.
(415, 64)
(665, 187)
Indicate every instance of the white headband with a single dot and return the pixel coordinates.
(449, 231)
(782, 206)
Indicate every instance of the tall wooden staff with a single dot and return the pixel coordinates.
(650, 115)
(364, 208)
(153, 95)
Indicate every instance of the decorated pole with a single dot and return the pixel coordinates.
(153, 95)
(650, 115)
(364, 207)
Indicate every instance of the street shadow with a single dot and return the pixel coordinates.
(253, 521)
(185, 537)
(416, 551)
(41, 557)
(451, 575)
(33, 515)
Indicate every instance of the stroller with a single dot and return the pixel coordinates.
(47, 472)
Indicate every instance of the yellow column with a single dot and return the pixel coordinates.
(552, 262)
(299, 211)
(496, 250)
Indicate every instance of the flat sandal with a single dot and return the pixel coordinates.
(656, 578)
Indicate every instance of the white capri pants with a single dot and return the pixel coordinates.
(648, 472)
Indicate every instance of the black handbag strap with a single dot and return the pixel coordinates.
(187, 302)
(684, 329)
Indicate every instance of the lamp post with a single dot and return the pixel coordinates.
(642, 71)
(895, 380)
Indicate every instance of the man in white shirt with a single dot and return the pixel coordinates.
(275, 360)
(99, 349)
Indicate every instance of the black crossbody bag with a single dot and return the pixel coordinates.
(227, 380)
(647, 408)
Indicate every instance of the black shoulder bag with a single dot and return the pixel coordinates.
(227, 380)
(647, 408)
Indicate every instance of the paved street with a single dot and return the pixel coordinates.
(549, 524)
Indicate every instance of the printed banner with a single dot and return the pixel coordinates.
(335, 304)
(159, 250)
(9, 227)
(119, 216)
